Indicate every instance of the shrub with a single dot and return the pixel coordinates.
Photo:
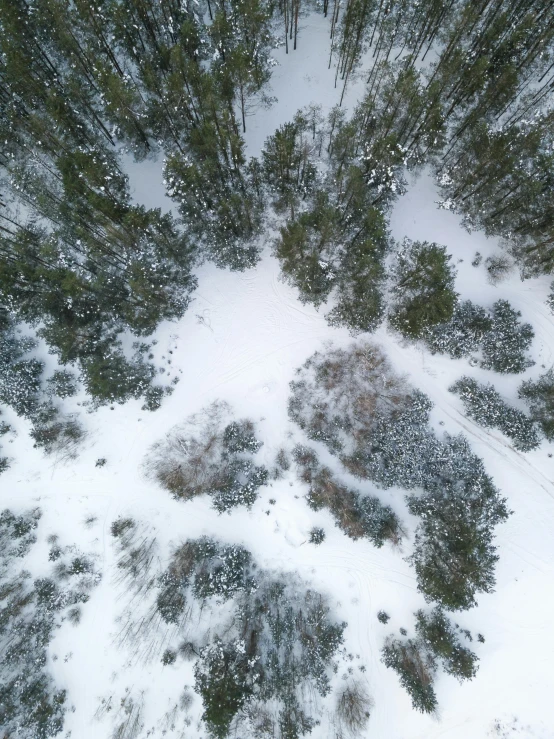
(439, 636)
(502, 340)
(423, 284)
(539, 395)
(60, 435)
(317, 536)
(416, 670)
(63, 384)
(357, 515)
(498, 267)
(207, 455)
(169, 657)
(505, 344)
(485, 406)
(383, 617)
(463, 334)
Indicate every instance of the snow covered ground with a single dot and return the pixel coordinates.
(240, 341)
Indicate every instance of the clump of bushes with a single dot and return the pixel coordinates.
(31, 705)
(210, 454)
(497, 336)
(416, 660)
(484, 405)
(355, 514)
(539, 395)
(276, 645)
(366, 414)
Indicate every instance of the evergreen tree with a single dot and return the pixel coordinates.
(485, 406)
(423, 283)
(539, 395)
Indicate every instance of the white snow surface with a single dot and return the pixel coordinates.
(240, 341)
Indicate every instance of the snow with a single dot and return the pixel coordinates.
(240, 341)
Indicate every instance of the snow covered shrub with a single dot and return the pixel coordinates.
(203, 569)
(153, 396)
(352, 401)
(109, 377)
(62, 384)
(357, 515)
(438, 634)
(485, 406)
(276, 640)
(225, 681)
(383, 617)
(353, 707)
(30, 705)
(463, 334)
(539, 395)
(454, 556)
(210, 454)
(60, 435)
(317, 536)
(505, 344)
(169, 657)
(423, 288)
(416, 669)
(497, 335)
(416, 660)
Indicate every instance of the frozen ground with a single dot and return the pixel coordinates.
(241, 341)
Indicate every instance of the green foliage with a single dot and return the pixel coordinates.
(423, 285)
(485, 406)
(504, 346)
(109, 377)
(539, 395)
(439, 636)
(357, 515)
(62, 384)
(416, 669)
(224, 680)
(317, 536)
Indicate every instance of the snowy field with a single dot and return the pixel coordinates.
(241, 341)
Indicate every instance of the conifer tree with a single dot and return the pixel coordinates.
(423, 283)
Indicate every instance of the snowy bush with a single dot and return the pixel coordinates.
(497, 335)
(498, 267)
(423, 288)
(539, 395)
(416, 660)
(203, 569)
(357, 515)
(30, 704)
(62, 384)
(352, 401)
(438, 635)
(340, 394)
(353, 707)
(416, 669)
(505, 344)
(463, 334)
(59, 434)
(210, 455)
(485, 406)
(317, 536)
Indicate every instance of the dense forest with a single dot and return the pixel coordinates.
(459, 88)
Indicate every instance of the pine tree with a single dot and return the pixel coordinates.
(423, 282)
(539, 395)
